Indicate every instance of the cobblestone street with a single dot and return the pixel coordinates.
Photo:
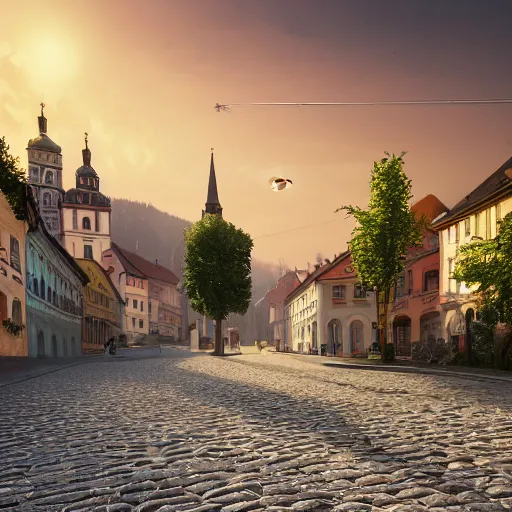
(195, 433)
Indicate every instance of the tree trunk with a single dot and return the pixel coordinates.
(219, 342)
(384, 336)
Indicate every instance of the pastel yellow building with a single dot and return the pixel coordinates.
(102, 307)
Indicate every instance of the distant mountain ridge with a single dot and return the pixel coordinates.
(156, 235)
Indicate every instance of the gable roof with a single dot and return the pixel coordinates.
(140, 267)
(285, 284)
(315, 275)
(105, 273)
(498, 184)
(430, 206)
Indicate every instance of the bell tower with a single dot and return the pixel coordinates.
(45, 176)
(212, 204)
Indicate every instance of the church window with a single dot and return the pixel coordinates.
(88, 252)
(34, 174)
(75, 219)
(48, 179)
(86, 223)
(17, 318)
(47, 199)
(97, 221)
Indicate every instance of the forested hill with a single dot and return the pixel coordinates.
(157, 235)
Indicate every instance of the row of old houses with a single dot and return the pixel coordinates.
(326, 310)
(65, 287)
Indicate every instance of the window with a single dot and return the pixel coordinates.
(130, 281)
(141, 306)
(17, 317)
(86, 223)
(3, 307)
(15, 254)
(467, 228)
(97, 221)
(34, 174)
(49, 294)
(75, 219)
(133, 322)
(140, 284)
(431, 281)
(410, 283)
(498, 216)
(477, 224)
(141, 324)
(85, 198)
(47, 199)
(457, 227)
(400, 286)
(149, 307)
(88, 252)
(127, 303)
(48, 179)
(43, 289)
(135, 303)
(488, 224)
(359, 291)
(35, 286)
(338, 292)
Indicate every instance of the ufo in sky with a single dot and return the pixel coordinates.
(277, 184)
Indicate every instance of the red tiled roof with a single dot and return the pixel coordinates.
(135, 264)
(430, 206)
(337, 270)
(284, 286)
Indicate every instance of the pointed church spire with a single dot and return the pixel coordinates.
(42, 121)
(86, 153)
(212, 200)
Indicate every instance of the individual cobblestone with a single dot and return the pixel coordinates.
(200, 434)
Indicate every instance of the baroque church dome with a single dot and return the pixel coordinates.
(43, 142)
(87, 190)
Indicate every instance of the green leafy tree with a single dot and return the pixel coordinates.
(12, 180)
(217, 271)
(486, 267)
(384, 232)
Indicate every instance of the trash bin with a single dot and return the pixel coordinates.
(323, 349)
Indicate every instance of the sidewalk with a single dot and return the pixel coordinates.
(20, 369)
(462, 372)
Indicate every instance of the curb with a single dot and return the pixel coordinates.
(424, 371)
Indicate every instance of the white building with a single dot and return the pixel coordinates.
(331, 308)
(86, 214)
(476, 217)
(45, 176)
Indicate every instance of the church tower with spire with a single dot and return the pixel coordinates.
(86, 213)
(212, 205)
(45, 176)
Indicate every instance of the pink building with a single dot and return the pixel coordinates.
(415, 312)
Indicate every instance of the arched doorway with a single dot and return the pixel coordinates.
(40, 344)
(54, 346)
(356, 337)
(469, 319)
(335, 339)
(314, 338)
(402, 336)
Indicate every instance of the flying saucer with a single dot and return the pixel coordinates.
(277, 184)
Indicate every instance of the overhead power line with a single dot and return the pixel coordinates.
(227, 107)
(294, 229)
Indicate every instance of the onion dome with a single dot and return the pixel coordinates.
(43, 142)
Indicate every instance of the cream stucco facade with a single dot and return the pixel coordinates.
(333, 310)
(86, 231)
(12, 281)
(456, 298)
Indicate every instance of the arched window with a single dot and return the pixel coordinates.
(48, 179)
(47, 199)
(86, 223)
(356, 336)
(17, 317)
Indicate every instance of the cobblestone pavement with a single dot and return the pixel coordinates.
(254, 432)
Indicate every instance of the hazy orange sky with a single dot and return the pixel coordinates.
(142, 78)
